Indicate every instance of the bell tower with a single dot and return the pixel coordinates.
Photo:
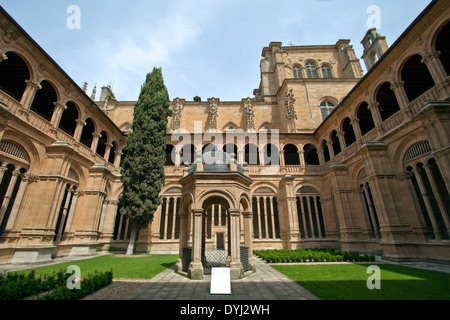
(375, 46)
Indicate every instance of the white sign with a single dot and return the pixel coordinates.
(220, 281)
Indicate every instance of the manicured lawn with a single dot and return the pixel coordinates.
(349, 282)
(133, 267)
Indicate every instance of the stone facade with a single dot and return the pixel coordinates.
(337, 159)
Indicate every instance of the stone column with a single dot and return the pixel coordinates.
(8, 194)
(184, 236)
(79, 129)
(195, 271)
(435, 66)
(400, 94)
(29, 93)
(237, 271)
(17, 202)
(95, 141)
(57, 114)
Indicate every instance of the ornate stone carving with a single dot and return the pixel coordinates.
(289, 111)
(213, 114)
(176, 114)
(249, 115)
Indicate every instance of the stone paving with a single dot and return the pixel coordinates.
(265, 284)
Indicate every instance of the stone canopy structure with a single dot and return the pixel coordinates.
(231, 191)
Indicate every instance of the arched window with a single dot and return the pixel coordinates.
(349, 133)
(326, 72)
(416, 77)
(101, 145)
(311, 70)
(44, 101)
(326, 108)
(366, 123)
(311, 156)
(336, 143)
(388, 104)
(231, 148)
(68, 121)
(86, 136)
(297, 72)
(310, 215)
(442, 45)
(265, 214)
(13, 74)
(291, 157)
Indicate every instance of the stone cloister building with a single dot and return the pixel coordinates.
(336, 158)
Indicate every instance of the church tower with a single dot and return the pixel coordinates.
(374, 47)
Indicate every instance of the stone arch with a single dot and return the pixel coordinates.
(441, 43)
(45, 99)
(24, 142)
(14, 72)
(221, 197)
(387, 101)
(69, 117)
(416, 77)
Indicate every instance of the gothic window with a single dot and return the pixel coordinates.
(310, 215)
(326, 108)
(297, 72)
(311, 70)
(326, 72)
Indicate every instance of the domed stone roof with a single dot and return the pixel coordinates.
(216, 162)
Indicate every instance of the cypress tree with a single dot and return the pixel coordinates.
(144, 155)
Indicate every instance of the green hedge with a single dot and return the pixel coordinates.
(15, 286)
(311, 255)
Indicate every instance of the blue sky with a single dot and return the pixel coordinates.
(209, 48)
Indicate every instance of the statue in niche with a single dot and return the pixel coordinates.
(290, 112)
(213, 114)
(176, 114)
(249, 115)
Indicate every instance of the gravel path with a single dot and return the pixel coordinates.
(115, 291)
